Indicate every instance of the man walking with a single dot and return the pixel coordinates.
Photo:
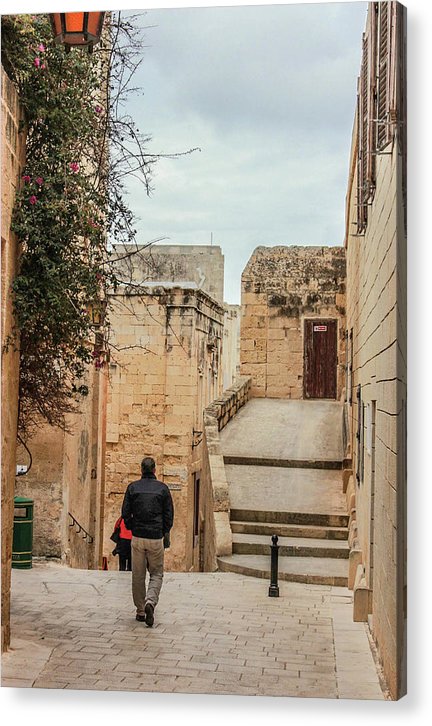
(149, 512)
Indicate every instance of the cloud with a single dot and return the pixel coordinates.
(268, 93)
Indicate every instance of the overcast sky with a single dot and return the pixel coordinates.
(268, 93)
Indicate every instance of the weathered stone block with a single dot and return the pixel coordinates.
(362, 598)
(223, 534)
(355, 561)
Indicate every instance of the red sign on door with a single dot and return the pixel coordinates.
(320, 328)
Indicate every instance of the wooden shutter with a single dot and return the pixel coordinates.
(401, 98)
(362, 120)
(383, 85)
(364, 112)
(366, 117)
(371, 98)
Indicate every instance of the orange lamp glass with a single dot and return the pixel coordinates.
(79, 29)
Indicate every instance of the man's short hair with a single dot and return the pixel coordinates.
(148, 465)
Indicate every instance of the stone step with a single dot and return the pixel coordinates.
(290, 530)
(256, 544)
(309, 518)
(230, 459)
(311, 570)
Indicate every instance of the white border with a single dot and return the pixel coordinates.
(84, 707)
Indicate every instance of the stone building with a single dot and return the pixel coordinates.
(231, 344)
(174, 347)
(167, 343)
(293, 322)
(376, 337)
(12, 162)
(194, 266)
(165, 368)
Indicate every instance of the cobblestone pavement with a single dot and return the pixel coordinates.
(215, 633)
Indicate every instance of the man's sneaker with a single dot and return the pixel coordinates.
(149, 614)
(141, 618)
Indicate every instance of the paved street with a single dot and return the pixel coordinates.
(214, 633)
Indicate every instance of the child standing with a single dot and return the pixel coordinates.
(122, 537)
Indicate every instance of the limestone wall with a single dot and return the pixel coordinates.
(84, 475)
(376, 281)
(190, 266)
(44, 484)
(281, 287)
(12, 162)
(165, 369)
(67, 477)
(216, 504)
(376, 323)
(231, 344)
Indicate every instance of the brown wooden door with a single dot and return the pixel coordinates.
(320, 358)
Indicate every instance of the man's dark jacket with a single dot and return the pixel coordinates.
(148, 508)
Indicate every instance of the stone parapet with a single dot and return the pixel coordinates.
(218, 540)
(224, 408)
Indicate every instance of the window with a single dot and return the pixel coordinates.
(368, 428)
(366, 113)
(196, 509)
(362, 124)
(350, 366)
(380, 96)
(360, 437)
(383, 81)
(346, 365)
(370, 448)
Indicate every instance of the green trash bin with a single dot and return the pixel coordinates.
(22, 544)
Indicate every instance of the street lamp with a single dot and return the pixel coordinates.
(80, 29)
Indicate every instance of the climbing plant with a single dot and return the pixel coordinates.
(80, 147)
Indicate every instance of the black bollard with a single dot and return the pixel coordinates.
(274, 588)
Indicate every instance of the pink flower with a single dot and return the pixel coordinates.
(98, 109)
(33, 199)
(37, 62)
(43, 66)
(41, 48)
(74, 166)
(26, 179)
(39, 181)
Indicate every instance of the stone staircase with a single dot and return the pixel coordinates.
(307, 507)
(312, 548)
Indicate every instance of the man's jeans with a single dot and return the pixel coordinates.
(146, 554)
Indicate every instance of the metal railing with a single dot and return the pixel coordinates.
(88, 537)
